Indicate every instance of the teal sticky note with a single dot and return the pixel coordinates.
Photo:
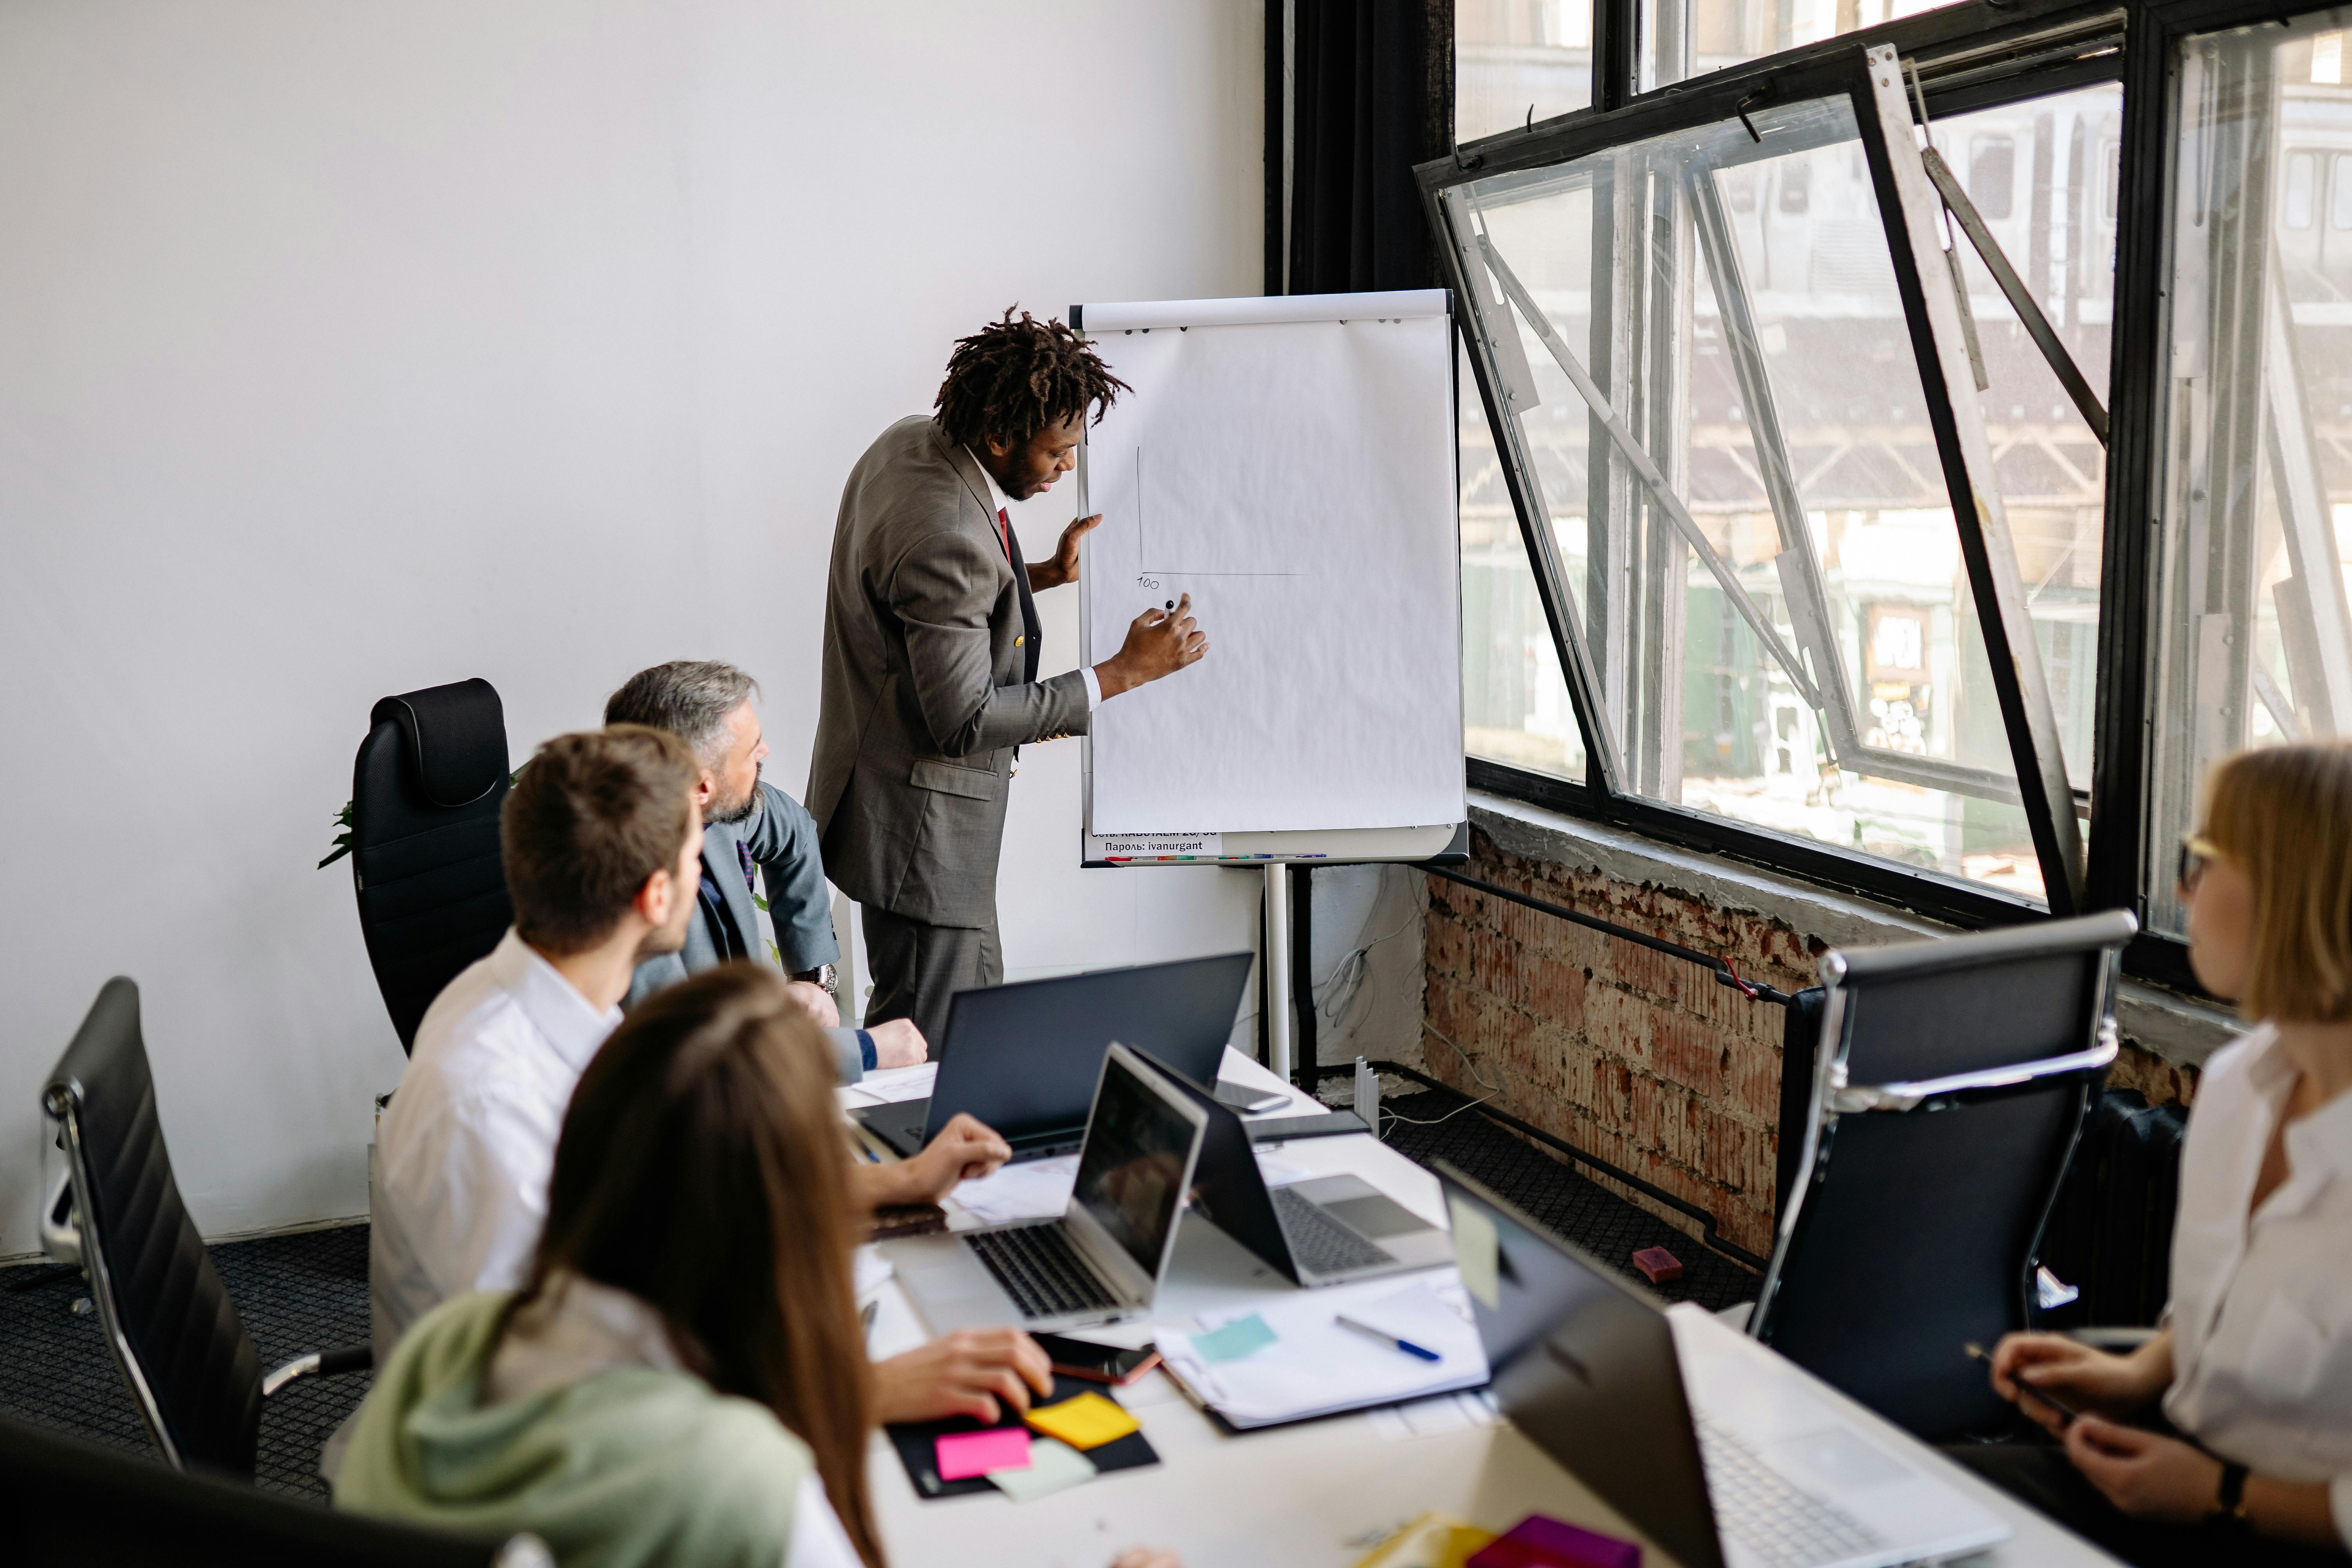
(1053, 1468)
(1242, 1336)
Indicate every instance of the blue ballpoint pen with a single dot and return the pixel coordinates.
(1424, 1352)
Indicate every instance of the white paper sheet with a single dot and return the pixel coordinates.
(1037, 1189)
(1314, 1365)
(1296, 480)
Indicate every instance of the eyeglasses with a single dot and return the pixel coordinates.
(2195, 852)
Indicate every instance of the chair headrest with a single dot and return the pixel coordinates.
(453, 739)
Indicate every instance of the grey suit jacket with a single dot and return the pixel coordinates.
(930, 681)
(783, 841)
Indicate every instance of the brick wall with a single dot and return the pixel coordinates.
(1639, 1059)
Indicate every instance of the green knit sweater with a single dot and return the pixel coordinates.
(629, 1468)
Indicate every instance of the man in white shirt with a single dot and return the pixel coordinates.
(603, 847)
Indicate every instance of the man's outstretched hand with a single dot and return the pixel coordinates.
(1159, 642)
(1064, 567)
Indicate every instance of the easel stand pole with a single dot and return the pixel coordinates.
(1277, 968)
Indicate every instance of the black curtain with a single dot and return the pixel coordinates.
(1372, 95)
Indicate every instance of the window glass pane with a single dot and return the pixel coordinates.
(2058, 234)
(2254, 635)
(1681, 39)
(1515, 706)
(2339, 204)
(1781, 627)
(1514, 57)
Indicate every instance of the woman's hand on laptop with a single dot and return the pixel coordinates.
(966, 1373)
(898, 1044)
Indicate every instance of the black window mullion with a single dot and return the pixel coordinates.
(1908, 210)
(1480, 313)
(2133, 530)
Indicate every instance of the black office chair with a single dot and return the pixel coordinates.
(425, 794)
(192, 1370)
(71, 1501)
(1951, 1083)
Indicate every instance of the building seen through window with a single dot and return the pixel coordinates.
(2255, 634)
(1787, 636)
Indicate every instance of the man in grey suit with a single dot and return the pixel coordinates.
(932, 657)
(750, 823)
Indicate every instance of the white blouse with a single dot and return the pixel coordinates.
(581, 1328)
(2262, 1305)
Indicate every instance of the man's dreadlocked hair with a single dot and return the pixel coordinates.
(1011, 379)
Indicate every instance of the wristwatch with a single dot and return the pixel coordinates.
(825, 977)
(2233, 1493)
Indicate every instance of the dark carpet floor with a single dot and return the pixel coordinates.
(1436, 1125)
(296, 1294)
(306, 1292)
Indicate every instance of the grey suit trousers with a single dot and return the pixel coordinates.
(919, 966)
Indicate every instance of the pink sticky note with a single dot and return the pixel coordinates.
(964, 1455)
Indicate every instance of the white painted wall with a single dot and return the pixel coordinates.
(351, 348)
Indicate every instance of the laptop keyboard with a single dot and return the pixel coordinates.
(1041, 1271)
(1319, 1243)
(1787, 1527)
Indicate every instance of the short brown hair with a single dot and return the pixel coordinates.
(590, 819)
(1011, 379)
(703, 1169)
(2284, 814)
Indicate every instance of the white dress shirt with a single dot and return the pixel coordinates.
(463, 1156)
(581, 1328)
(996, 499)
(2262, 1305)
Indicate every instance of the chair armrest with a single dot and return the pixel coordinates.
(318, 1363)
(60, 1227)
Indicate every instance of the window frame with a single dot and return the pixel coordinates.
(1971, 56)
(1979, 54)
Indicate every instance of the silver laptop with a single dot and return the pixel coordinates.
(1103, 1259)
(1765, 1474)
(1324, 1230)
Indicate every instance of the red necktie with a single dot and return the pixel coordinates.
(1004, 532)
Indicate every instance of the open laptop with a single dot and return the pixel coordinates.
(1103, 1259)
(1767, 1474)
(1320, 1231)
(1022, 1058)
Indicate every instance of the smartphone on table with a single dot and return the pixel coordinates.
(1096, 1364)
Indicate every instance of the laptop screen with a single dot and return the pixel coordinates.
(1585, 1367)
(1131, 1173)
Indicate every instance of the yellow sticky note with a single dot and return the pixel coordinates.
(1475, 1249)
(1432, 1541)
(1086, 1422)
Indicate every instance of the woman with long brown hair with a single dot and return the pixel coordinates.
(683, 1379)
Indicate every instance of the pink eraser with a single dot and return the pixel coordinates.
(1657, 1265)
(964, 1455)
(1541, 1542)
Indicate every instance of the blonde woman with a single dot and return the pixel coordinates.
(2252, 1369)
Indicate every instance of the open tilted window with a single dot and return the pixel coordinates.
(1802, 427)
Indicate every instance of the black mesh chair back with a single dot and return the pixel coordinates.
(425, 794)
(66, 1500)
(175, 1333)
(1951, 1081)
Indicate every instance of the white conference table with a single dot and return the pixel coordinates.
(1316, 1494)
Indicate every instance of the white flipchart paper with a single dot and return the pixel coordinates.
(1296, 480)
